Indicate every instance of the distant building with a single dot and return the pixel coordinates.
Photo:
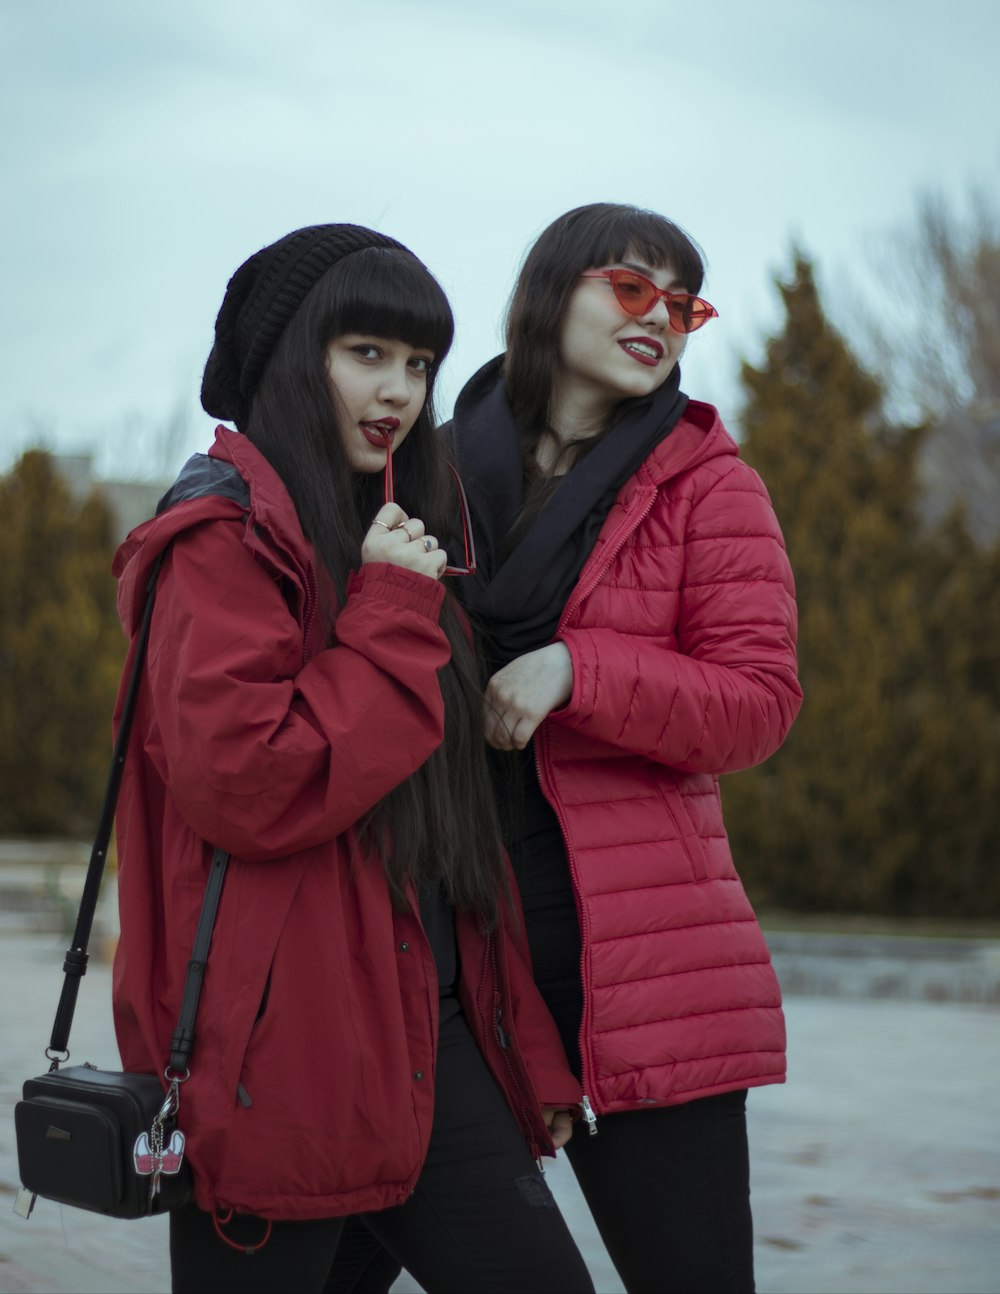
(130, 502)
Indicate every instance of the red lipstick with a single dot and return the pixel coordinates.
(379, 433)
(649, 343)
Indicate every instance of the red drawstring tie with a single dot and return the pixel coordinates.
(224, 1220)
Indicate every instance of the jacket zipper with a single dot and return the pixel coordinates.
(583, 917)
(504, 1041)
(580, 593)
(584, 590)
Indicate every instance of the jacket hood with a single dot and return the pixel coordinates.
(232, 481)
(697, 438)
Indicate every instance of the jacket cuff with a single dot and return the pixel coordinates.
(401, 587)
(554, 1084)
(581, 699)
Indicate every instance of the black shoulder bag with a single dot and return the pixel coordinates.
(92, 1138)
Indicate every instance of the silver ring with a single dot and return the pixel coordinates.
(428, 545)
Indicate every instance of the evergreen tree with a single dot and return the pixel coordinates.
(812, 826)
(61, 648)
(949, 781)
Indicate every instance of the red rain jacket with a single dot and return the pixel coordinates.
(682, 634)
(312, 1080)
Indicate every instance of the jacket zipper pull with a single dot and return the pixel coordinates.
(589, 1116)
(503, 1038)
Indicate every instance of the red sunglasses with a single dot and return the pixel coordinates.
(637, 296)
(463, 506)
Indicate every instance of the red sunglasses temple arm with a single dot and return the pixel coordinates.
(389, 486)
(467, 539)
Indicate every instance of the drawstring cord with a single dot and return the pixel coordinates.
(223, 1220)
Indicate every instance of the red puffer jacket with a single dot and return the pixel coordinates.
(682, 634)
(312, 1081)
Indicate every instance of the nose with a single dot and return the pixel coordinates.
(395, 387)
(657, 316)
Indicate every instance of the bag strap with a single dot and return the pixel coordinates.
(182, 1043)
(75, 964)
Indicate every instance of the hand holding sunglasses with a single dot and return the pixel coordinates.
(637, 296)
(467, 541)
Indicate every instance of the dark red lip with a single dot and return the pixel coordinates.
(379, 433)
(643, 359)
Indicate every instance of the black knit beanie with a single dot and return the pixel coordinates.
(261, 298)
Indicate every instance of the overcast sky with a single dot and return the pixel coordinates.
(148, 148)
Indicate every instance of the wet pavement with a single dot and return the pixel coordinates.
(875, 1169)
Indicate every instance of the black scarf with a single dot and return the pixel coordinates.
(518, 602)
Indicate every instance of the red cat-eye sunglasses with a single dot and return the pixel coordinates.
(637, 295)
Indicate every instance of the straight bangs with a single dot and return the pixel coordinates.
(653, 238)
(605, 232)
(384, 292)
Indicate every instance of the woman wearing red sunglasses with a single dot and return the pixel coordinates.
(369, 1039)
(639, 609)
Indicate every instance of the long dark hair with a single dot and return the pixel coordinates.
(441, 823)
(598, 234)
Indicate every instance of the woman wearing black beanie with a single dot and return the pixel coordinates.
(369, 1039)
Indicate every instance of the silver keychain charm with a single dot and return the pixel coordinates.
(150, 1156)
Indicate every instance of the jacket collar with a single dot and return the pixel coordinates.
(205, 491)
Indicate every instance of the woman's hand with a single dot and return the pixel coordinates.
(394, 537)
(519, 696)
(559, 1122)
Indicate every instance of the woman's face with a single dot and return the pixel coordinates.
(607, 355)
(380, 387)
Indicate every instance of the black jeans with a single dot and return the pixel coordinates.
(669, 1188)
(481, 1218)
(669, 1191)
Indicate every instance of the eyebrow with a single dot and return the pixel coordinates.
(647, 272)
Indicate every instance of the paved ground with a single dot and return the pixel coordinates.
(876, 1169)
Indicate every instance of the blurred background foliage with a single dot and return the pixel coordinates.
(61, 650)
(885, 474)
(886, 796)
